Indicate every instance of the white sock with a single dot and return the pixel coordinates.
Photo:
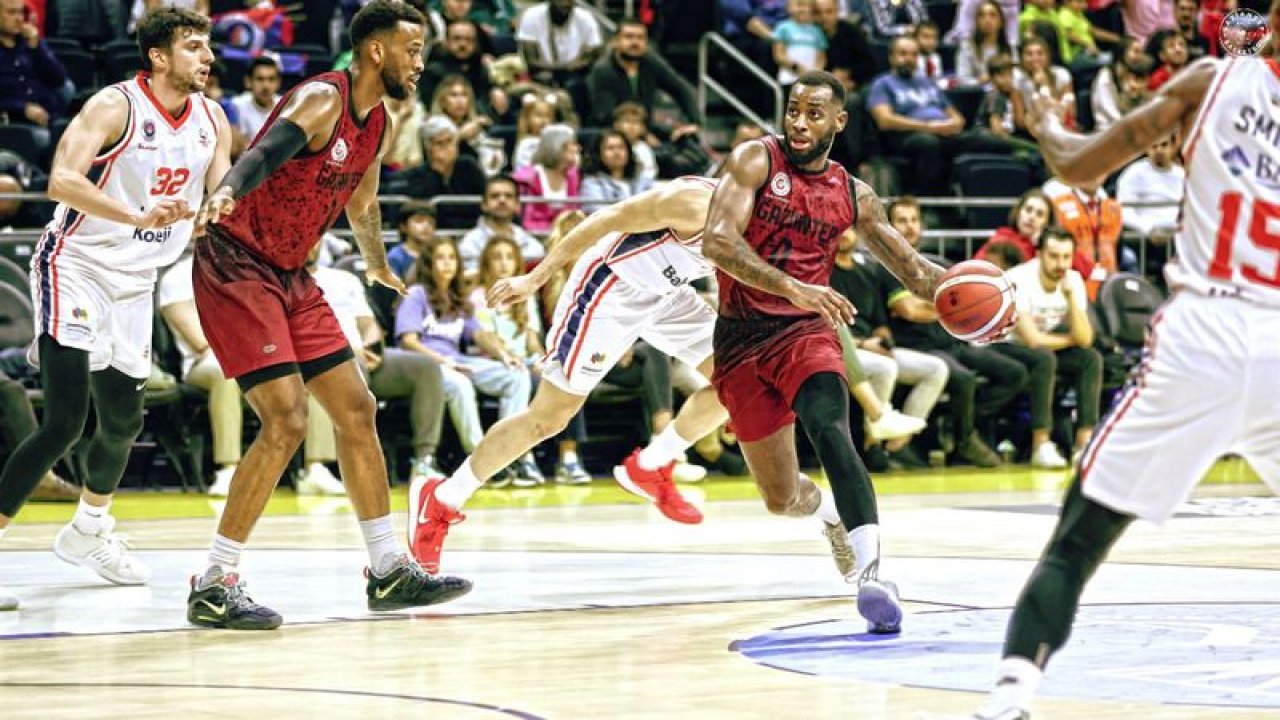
(91, 519)
(827, 507)
(663, 448)
(384, 547)
(568, 456)
(460, 486)
(866, 545)
(225, 552)
(1016, 682)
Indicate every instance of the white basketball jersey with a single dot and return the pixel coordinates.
(1229, 239)
(159, 157)
(657, 261)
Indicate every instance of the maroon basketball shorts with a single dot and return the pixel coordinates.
(257, 316)
(761, 364)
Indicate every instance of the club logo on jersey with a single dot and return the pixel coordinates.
(780, 185)
(149, 130)
(1244, 32)
(1237, 162)
(338, 154)
(204, 138)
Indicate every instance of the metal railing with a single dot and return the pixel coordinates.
(706, 82)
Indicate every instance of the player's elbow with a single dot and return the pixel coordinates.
(61, 182)
(716, 245)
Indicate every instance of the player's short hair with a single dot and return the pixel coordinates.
(821, 78)
(905, 201)
(381, 16)
(159, 29)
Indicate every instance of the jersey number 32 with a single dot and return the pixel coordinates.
(170, 181)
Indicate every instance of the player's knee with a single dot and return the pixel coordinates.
(358, 411)
(62, 427)
(779, 498)
(286, 424)
(121, 427)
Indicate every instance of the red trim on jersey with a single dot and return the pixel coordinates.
(1204, 113)
(595, 264)
(204, 103)
(174, 123)
(586, 323)
(1275, 67)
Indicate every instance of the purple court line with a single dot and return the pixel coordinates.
(511, 712)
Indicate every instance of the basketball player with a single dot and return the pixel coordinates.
(772, 230)
(128, 173)
(269, 325)
(1219, 327)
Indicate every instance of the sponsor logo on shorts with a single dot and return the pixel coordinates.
(269, 348)
(597, 358)
(80, 313)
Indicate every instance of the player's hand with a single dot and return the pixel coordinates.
(386, 277)
(31, 34)
(1043, 106)
(831, 305)
(164, 213)
(216, 206)
(509, 291)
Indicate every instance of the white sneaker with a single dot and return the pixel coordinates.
(893, 424)
(105, 553)
(221, 486)
(8, 601)
(1046, 455)
(317, 480)
(878, 602)
(683, 472)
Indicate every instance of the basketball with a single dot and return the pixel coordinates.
(974, 301)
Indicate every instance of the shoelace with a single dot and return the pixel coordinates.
(112, 549)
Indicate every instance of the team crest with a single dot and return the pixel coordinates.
(339, 152)
(780, 184)
(149, 130)
(204, 138)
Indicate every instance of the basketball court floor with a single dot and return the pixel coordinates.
(588, 604)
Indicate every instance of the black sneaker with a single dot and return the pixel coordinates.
(978, 452)
(222, 603)
(408, 585)
(906, 458)
(875, 459)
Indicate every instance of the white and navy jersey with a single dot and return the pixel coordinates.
(1228, 242)
(159, 157)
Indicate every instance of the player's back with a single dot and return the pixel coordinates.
(282, 219)
(796, 227)
(1229, 239)
(159, 157)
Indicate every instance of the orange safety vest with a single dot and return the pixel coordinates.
(1096, 232)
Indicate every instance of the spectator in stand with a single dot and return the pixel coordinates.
(1038, 69)
(443, 173)
(496, 17)
(1185, 12)
(1095, 220)
(1027, 222)
(559, 41)
(1004, 254)
(213, 90)
(1002, 115)
(1122, 86)
(417, 230)
(799, 45)
(1053, 337)
(631, 72)
(254, 105)
(895, 18)
(499, 209)
(459, 54)
(406, 151)
(436, 320)
(930, 63)
(610, 172)
(549, 295)
(990, 38)
(554, 177)
(33, 85)
(744, 131)
(537, 110)
(455, 100)
(849, 54)
(447, 12)
(1078, 46)
(1156, 178)
(18, 175)
(748, 25)
(629, 119)
(967, 16)
(1170, 49)
(1038, 12)
(1143, 17)
(918, 122)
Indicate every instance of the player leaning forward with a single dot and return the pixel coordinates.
(128, 173)
(269, 325)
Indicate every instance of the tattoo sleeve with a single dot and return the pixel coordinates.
(916, 272)
(367, 227)
(738, 259)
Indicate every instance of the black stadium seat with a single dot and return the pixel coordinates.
(980, 175)
(80, 65)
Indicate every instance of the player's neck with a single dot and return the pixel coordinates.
(173, 100)
(366, 91)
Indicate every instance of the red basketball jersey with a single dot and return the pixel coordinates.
(282, 219)
(796, 227)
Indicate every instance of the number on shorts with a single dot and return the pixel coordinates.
(1260, 234)
(170, 181)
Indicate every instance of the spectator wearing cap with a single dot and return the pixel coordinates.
(445, 172)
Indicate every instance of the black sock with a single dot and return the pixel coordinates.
(822, 404)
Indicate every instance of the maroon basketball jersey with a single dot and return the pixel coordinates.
(796, 226)
(282, 219)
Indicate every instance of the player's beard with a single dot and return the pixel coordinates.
(819, 149)
(395, 89)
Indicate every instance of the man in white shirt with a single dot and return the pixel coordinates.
(499, 208)
(262, 92)
(1053, 337)
(1158, 177)
(392, 373)
(559, 41)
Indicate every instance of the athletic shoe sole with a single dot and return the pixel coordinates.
(881, 609)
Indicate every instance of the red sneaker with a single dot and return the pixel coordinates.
(657, 487)
(429, 521)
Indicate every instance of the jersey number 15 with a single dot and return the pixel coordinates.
(170, 181)
(1259, 231)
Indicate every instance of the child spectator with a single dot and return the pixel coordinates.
(930, 62)
(1170, 49)
(629, 120)
(1075, 34)
(536, 112)
(799, 45)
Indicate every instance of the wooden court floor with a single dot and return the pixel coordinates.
(589, 605)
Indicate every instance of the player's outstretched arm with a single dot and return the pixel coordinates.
(1077, 158)
(100, 126)
(914, 270)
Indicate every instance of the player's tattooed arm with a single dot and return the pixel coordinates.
(1077, 158)
(365, 215)
(916, 272)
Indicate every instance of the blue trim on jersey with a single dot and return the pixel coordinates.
(51, 242)
(636, 241)
(579, 312)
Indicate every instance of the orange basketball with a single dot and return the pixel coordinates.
(974, 301)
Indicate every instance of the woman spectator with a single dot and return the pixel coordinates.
(554, 177)
(1037, 67)
(455, 100)
(990, 38)
(443, 173)
(1027, 222)
(436, 320)
(611, 174)
(536, 113)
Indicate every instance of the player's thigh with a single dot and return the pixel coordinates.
(584, 346)
(129, 331)
(756, 408)
(314, 331)
(73, 306)
(682, 327)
